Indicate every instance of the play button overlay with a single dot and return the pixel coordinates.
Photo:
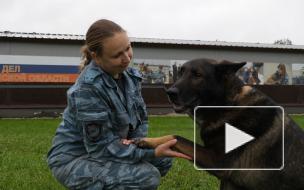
(235, 138)
(239, 138)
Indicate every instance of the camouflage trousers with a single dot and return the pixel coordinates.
(87, 174)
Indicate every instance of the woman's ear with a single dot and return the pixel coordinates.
(94, 56)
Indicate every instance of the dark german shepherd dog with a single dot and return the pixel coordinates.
(206, 82)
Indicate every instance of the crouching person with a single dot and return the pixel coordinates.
(93, 146)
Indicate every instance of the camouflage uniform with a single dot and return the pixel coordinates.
(87, 152)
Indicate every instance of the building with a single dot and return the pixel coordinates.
(34, 66)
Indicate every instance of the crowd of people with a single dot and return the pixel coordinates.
(156, 77)
(253, 76)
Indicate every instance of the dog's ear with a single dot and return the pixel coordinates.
(227, 67)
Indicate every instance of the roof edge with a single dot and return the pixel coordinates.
(75, 37)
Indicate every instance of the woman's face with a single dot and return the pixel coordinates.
(116, 55)
(281, 70)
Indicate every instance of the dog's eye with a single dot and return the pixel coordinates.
(181, 72)
(196, 74)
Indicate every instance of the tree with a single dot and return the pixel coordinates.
(284, 41)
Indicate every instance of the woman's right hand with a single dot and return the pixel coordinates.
(165, 150)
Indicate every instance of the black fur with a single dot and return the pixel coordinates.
(207, 82)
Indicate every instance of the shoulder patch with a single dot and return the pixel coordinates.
(93, 131)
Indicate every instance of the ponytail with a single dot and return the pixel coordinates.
(85, 58)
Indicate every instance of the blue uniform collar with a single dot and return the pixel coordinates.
(109, 81)
(105, 76)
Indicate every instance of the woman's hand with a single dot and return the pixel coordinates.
(127, 141)
(164, 150)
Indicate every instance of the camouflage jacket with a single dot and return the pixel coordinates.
(98, 116)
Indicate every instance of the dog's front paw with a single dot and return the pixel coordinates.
(146, 142)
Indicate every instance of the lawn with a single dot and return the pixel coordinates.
(25, 142)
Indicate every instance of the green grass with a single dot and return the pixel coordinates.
(25, 142)
(182, 176)
(299, 119)
(23, 147)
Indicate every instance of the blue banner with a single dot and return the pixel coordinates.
(68, 69)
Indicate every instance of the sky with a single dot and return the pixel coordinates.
(254, 21)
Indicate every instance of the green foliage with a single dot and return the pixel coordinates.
(24, 144)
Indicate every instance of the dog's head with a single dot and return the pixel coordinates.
(204, 82)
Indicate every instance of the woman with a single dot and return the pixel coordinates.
(92, 148)
(279, 77)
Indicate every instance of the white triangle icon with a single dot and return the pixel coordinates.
(235, 138)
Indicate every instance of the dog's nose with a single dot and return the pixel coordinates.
(172, 92)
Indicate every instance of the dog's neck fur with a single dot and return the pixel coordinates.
(244, 91)
(211, 124)
(235, 98)
(228, 95)
(235, 90)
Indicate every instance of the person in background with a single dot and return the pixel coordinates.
(258, 67)
(170, 77)
(146, 74)
(253, 77)
(159, 76)
(141, 67)
(174, 72)
(279, 77)
(244, 74)
(93, 145)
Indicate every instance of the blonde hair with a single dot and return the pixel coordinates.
(283, 68)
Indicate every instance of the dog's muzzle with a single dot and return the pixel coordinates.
(173, 94)
(180, 105)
